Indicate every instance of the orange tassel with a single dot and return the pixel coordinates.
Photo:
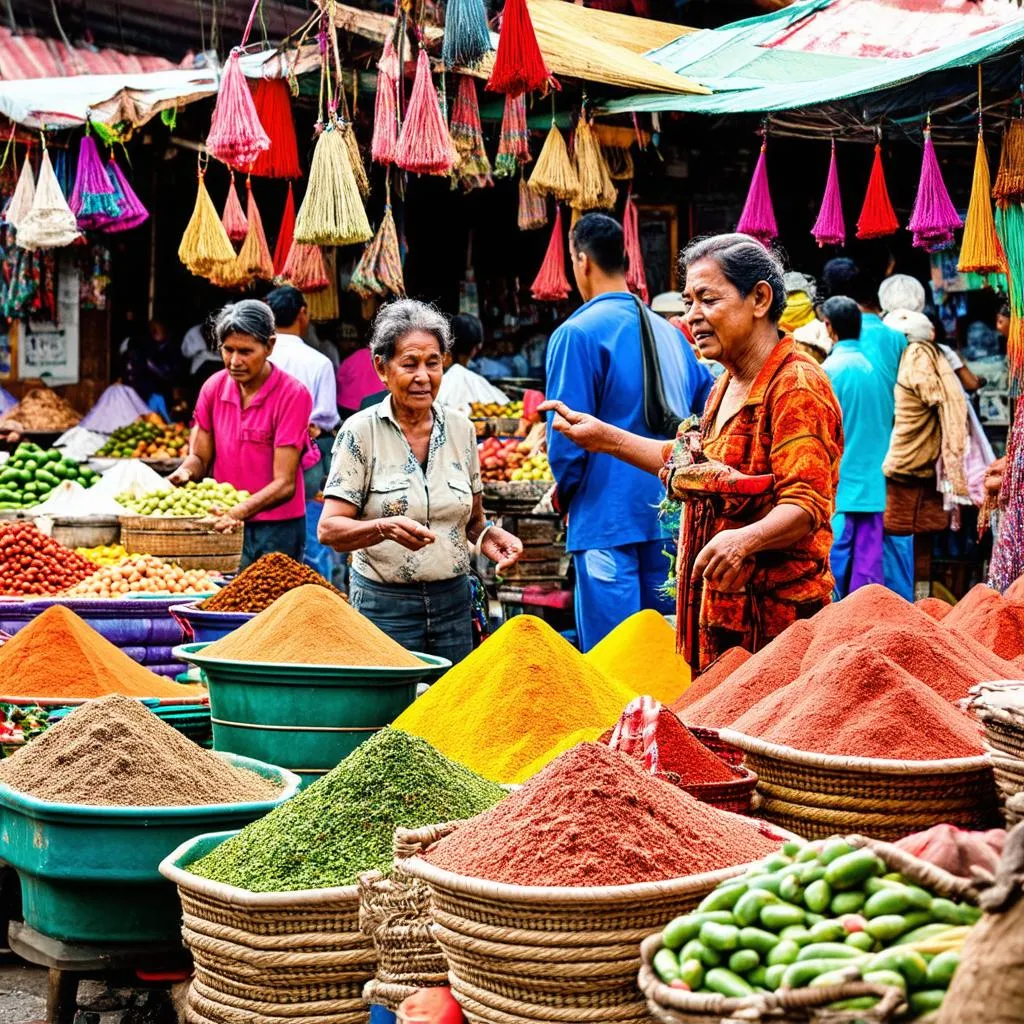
(254, 259)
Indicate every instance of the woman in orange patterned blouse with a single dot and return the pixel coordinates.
(757, 476)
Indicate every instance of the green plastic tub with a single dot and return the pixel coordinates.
(91, 874)
(304, 717)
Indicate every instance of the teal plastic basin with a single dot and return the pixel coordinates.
(304, 717)
(91, 874)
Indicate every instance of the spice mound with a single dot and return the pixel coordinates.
(859, 703)
(260, 585)
(115, 752)
(717, 672)
(935, 607)
(991, 620)
(311, 626)
(512, 700)
(59, 655)
(43, 411)
(344, 824)
(595, 817)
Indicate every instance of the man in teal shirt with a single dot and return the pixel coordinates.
(866, 402)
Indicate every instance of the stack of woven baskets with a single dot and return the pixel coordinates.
(818, 795)
(270, 955)
(1000, 709)
(182, 540)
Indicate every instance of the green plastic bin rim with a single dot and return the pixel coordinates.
(193, 653)
(101, 813)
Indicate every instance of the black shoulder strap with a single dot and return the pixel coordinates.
(661, 419)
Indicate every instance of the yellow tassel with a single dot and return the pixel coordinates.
(205, 246)
(597, 190)
(981, 252)
(554, 174)
(332, 212)
(356, 159)
(1010, 179)
(323, 305)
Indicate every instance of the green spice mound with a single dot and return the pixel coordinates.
(344, 824)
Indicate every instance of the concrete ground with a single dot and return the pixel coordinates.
(22, 993)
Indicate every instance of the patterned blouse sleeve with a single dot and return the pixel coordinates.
(351, 458)
(806, 443)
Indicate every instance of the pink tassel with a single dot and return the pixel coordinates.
(830, 228)
(233, 218)
(934, 218)
(236, 136)
(385, 113)
(424, 145)
(551, 284)
(636, 275)
(758, 216)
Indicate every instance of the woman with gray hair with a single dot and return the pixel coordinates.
(251, 429)
(404, 493)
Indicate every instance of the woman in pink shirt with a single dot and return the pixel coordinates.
(251, 428)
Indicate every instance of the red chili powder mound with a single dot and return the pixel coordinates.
(1015, 591)
(859, 703)
(935, 607)
(682, 754)
(988, 618)
(773, 666)
(595, 817)
(714, 674)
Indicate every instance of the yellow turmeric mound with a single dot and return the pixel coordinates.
(641, 653)
(512, 700)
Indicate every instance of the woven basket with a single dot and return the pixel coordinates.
(533, 953)
(712, 740)
(735, 796)
(804, 1005)
(818, 795)
(182, 540)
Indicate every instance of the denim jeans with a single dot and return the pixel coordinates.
(285, 535)
(432, 618)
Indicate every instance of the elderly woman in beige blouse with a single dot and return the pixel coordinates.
(404, 494)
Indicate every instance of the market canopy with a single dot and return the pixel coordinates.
(822, 51)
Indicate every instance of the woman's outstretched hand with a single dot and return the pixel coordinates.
(501, 547)
(585, 431)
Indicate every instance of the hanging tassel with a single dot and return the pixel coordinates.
(273, 105)
(205, 246)
(934, 218)
(50, 224)
(514, 146)
(597, 191)
(551, 284)
(332, 212)
(304, 268)
(24, 193)
(233, 217)
(466, 35)
(1010, 179)
(385, 111)
(379, 270)
(94, 200)
(236, 136)
(285, 233)
(980, 251)
(830, 228)
(877, 217)
(1010, 228)
(472, 168)
(356, 159)
(533, 209)
(254, 257)
(758, 216)
(133, 213)
(554, 174)
(519, 64)
(323, 304)
(424, 146)
(636, 275)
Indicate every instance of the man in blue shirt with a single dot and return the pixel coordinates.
(883, 347)
(594, 365)
(866, 403)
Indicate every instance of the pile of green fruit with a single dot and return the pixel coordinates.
(192, 499)
(147, 438)
(29, 475)
(818, 914)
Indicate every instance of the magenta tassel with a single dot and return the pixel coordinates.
(758, 216)
(236, 136)
(934, 218)
(830, 228)
(94, 200)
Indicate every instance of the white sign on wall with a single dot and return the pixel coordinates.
(50, 350)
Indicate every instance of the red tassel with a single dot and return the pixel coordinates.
(551, 284)
(385, 112)
(519, 64)
(233, 217)
(877, 217)
(636, 275)
(285, 233)
(305, 268)
(424, 146)
(273, 104)
(236, 136)
(758, 216)
(830, 228)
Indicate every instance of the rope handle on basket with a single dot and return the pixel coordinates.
(930, 876)
(411, 842)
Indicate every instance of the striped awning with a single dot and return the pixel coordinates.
(25, 56)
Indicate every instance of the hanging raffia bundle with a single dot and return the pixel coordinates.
(385, 111)
(273, 105)
(472, 168)
(50, 224)
(332, 212)
(934, 218)
(877, 217)
(254, 257)
(286, 232)
(424, 145)
(323, 304)
(230, 276)
(597, 191)
(514, 146)
(233, 218)
(304, 268)
(533, 209)
(830, 228)
(980, 251)
(554, 174)
(758, 216)
(379, 270)
(356, 160)
(636, 274)
(205, 246)
(24, 192)
(1010, 179)
(551, 284)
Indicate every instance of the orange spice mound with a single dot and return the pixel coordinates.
(311, 626)
(1015, 591)
(935, 607)
(991, 620)
(717, 672)
(58, 655)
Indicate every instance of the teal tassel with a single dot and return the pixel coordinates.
(466, 36)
